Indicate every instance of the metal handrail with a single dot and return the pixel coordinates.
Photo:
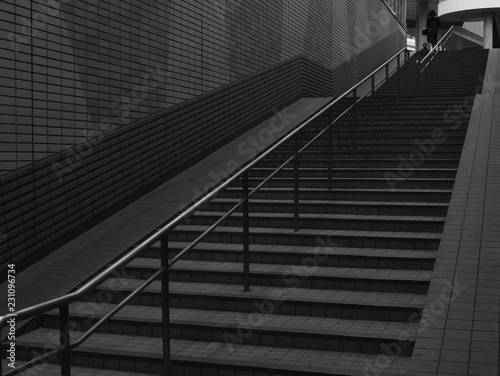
(433, 53)
(161, 234)
(435, 49)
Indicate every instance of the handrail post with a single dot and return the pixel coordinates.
(408, 71)
(330, 151)
(64, 340)
(246, 235)
(418, 78)
(296, 184)
(432, 77)
(431, 73)
(435, 68)
(427, 78)
(422, 82)
(1, 370)
(398, 72)
(165, 306)
(373, 104)
(354, 117)
(387, 91)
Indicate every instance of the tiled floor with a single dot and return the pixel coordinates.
(460, 332)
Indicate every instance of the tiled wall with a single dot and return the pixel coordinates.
(73, 68)
(399, 8)
(216, 68)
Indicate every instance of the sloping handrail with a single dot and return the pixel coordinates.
(63, 302)
(434, 50)
(433, 53)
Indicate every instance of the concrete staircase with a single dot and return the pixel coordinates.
(341, 296)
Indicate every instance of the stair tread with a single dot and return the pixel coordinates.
(364, 298)
(370, 217)
(350, 169)
(289, 270)
(286, 231)
(323, 190)
(276, 358)
(352, 178)
(262, 321)
(50, 369)
(335, 202)
(313, 250)
(364, 160)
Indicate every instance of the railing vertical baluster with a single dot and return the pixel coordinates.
(330, 151)
(398, 72)
(355, 121)
(64, 340)
(427, 79)
(165, 306)
(246, 235)
(431, 74)
(373, 104)
(418, 78)
(296, 183)
(407, 62)
(1, 370)
(387, 90)
(407, 69)
(436, 67)
(422, 83)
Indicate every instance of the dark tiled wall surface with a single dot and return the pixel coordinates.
(44, 201)
(72, 68)
(138, 110)
(399, 8)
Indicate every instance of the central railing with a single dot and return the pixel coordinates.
(161, 235)
(426, 70)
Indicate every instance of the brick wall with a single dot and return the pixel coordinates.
(107, 97)
(75, 67)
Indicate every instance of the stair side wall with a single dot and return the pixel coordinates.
(46, 201)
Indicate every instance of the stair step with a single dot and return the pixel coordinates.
(144, 354)
(266, 329)
(389, 181)
(335, 207)
(312, 172)
(50, 369)
(405, 148)
(367, 163)
(355, 305)
(315, 277)
(363, 154)
(361, 194)
(382, 134)
(366, 140)
(310, 237)
(326, 221)
(324, 255)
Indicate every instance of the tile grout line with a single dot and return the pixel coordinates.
(464, 217)
(485, 189)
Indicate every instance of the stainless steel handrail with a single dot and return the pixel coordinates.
(161, 234)
(442, 41)
(433, 53)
